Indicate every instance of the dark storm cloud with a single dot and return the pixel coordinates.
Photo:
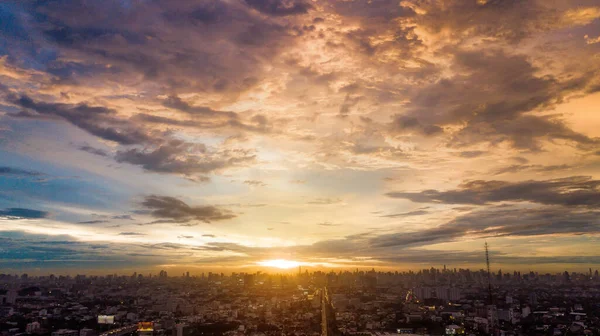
(377, 11)
(499, 222)
(280, 7)
(22, 213)
(183, 158)
(172, 208)
(571, 191)
(509, 20)
(489, 97)
(190, 46)
(97, 120)
(4, 170)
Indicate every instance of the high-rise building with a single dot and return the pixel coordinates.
(422, 293)
(11, 296)
(454, 294)
(179, 328)
(249, 280)
(441, 293)
(492, 317)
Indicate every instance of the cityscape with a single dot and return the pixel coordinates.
(299, 167)
(446, 301)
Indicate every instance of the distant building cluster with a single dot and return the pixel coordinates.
(427, 302)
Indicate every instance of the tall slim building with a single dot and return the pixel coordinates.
(492, 317)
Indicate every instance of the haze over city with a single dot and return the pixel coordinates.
(245, 135)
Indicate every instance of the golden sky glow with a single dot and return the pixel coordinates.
(280, 263)
(228, 135)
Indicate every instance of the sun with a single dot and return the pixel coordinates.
(280, 263)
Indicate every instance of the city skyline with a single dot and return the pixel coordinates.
(327, 134)
(582, 275)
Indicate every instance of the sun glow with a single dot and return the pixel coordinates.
(280, 263)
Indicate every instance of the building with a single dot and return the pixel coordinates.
(65, 332)
(181, 329)
(87, 332)
(6, 311)
(454, 329)
(9, 298)
(32, 327)
(422, 293)
(249, 280)
(506, 315)
(492, 317)
(454, 294)
(442, 293)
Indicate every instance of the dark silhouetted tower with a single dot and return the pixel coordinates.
(489, 277)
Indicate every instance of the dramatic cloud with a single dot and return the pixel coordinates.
(227, 43)
(184, 158)
(99, 121)
(496, 89)
(93, 222)
(22, 213)
(404, 123)
(336, 113)
(178, 104)
(499, 223)
(572, 191)
(131, 234)
(172, 208)
(127, 217)
(407, 214)
(280, 7)
(534, 168)
(8, 171)
(93, 150)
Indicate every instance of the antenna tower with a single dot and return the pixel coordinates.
(489, 276)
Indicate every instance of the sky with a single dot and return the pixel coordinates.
(139, 135)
